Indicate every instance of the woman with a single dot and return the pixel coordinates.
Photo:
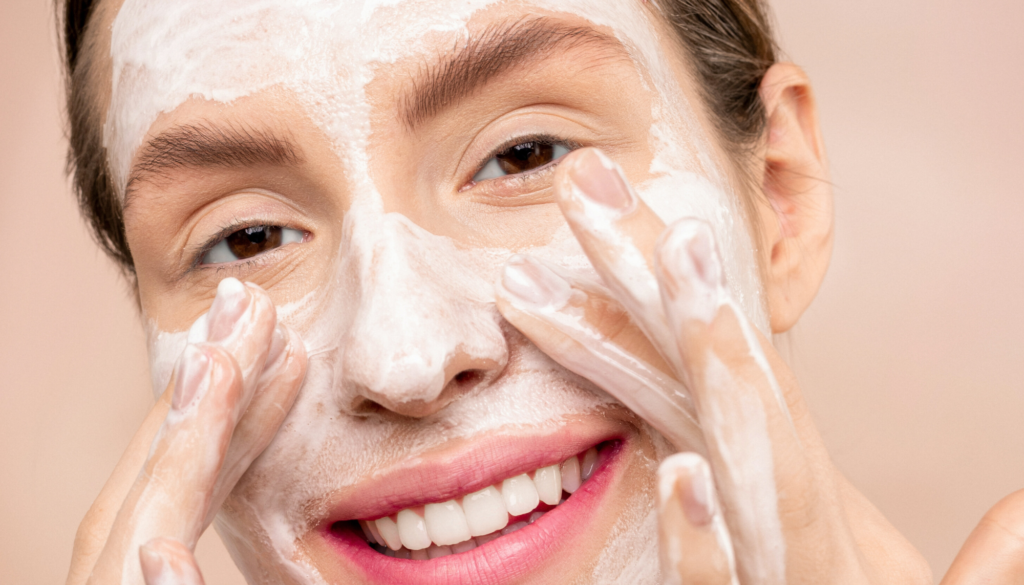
(412, 388)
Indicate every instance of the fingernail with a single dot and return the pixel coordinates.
(278, 342)
(531, 282)
(154, 565)
(192, 375)
(699, 500)
(230, 304)
(689, 270)
(686, 477)
(597, 178)
(693, 251)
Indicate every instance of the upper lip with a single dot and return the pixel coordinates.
(468, 466)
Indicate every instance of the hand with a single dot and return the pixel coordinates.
(662, 334)
(994, 552)
(230, 391)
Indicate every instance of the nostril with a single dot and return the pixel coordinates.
(366, 407)
(468, 378)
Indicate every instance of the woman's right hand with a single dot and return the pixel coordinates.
(756, 500)
(231, 389)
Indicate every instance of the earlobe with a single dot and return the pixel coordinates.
(796, 212)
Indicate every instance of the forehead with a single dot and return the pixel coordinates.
(323, 51)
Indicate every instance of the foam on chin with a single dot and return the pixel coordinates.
(324, 51)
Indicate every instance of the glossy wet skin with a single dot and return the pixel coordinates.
(344, 427)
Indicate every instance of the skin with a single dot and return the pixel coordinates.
(831, 532)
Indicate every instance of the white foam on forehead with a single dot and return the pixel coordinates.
(163, 53)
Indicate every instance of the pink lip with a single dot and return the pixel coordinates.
(508, 558)
(453, 472)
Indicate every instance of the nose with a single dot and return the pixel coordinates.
(425, 330)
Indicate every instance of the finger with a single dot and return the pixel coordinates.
(694, 541)
(994, 552)
(272, 359)
(579, 326)
(171, 496)
(618, 233)
(95, 527)
(750, 439)
(166, 561)
(241, 320)
(276, 390)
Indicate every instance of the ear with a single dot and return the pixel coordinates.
(796, 214)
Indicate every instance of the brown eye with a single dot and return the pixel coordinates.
(251, 241)
(521, 158)
(525, 157)
(254, 240)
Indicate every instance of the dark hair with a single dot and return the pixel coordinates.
(730, 44)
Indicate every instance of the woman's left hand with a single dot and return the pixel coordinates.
(756, 498)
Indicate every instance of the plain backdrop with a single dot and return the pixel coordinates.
(911, 357)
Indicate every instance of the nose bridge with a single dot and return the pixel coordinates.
(422, 317)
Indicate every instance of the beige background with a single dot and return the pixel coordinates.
(910, 358)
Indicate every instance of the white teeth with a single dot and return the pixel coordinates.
(366, 531)
(520, 495)
(548, 481)
(438, 530)
(372, 527)
(436, 552)
(485, 511)
(389, 532)
(571, 475)
(446, 524)
(413, 530)
(589, 463)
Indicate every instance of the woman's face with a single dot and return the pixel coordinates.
(372, 164)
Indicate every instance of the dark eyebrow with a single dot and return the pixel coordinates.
(196, 146)
(499, 49)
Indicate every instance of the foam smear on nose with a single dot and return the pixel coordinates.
(408, 281)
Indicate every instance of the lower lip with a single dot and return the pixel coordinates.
(502, 560)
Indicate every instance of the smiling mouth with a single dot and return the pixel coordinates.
(463, 523)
